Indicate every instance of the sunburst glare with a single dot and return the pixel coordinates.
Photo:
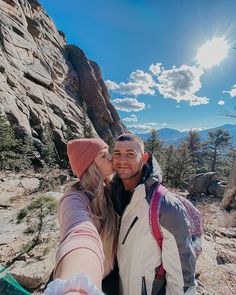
(212, 52)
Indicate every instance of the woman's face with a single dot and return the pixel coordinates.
(104, 163)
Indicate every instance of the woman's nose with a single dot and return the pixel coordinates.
(109, 157)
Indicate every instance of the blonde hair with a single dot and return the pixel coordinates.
(92, 183)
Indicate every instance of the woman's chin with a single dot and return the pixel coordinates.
(110, 176)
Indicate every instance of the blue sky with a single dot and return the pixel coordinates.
(147, 53)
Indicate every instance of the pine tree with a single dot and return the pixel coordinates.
(85, 122)
(69, 134)
(217, 145)
(154, 146)
(49, 152)
(194, 145)
(182, 166)
(10, 147)
(168, 168)
(110, 140)
(28, 152)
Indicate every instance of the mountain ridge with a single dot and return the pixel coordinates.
(173, 136)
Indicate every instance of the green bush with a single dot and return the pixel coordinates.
(37, 215)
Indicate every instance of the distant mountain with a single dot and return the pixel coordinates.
(173, 136)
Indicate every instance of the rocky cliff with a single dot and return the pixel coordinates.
(44, 81)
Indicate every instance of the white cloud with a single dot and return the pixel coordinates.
(143, 128)
(221, 102)
(139, 128)
(111, 85)
(182, 84)
(140, 76)
(164, 124)
(197, 100)
(152, 124)
(232, 92)
(131, 118)
(155, 69)
(128, 104)
(140, 83)
(193, 129)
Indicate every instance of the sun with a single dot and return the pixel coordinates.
(212, 52)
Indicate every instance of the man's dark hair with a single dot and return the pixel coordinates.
(131, 137)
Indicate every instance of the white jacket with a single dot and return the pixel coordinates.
(139, 255)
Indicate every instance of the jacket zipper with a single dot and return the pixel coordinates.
(144, 288)
(129, 229)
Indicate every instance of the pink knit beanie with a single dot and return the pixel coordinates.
(82, 152)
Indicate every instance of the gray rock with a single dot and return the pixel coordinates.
(30, 184)
(33, 273)
(55, 195)
(200, 183)
(44, 81)
(229, 199)
(216, 189)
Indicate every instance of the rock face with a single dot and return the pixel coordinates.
(230, 191)
(44, 81)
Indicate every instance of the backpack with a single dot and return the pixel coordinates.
(193, 215)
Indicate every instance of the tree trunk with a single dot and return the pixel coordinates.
(230, 191)
(213, 166)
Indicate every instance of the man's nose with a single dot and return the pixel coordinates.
(123, 157)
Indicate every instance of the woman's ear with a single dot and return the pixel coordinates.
(145, 157)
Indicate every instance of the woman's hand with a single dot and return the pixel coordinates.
(77, 285)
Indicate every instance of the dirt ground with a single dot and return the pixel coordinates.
(216, 267)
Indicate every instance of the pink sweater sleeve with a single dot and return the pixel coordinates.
(76, 228)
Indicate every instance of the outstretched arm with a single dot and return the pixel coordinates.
(80, 247)
(77, 261)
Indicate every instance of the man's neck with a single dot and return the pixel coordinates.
(132, 183)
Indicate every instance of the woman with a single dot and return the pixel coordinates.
(88, 231)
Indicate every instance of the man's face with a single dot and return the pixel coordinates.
(127, 159)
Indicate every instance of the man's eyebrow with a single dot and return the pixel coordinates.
(118, 151)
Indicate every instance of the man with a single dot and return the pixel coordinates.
(139, 256)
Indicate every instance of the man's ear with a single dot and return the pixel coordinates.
(145, 157)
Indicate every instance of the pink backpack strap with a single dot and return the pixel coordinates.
(154, 212)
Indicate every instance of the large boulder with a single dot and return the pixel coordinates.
(32, 273)
(44, 81)
(199, 184)
(216, 189)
